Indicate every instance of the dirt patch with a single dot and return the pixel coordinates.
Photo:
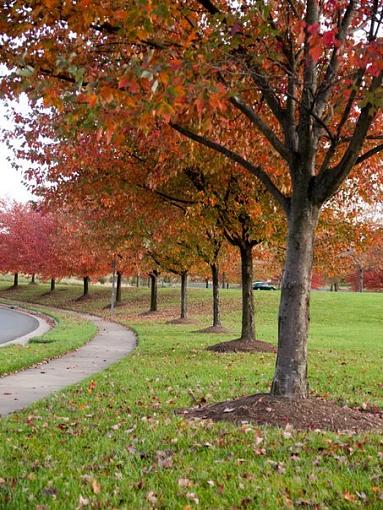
(116, 305)
(242, 346)
(212, 329)
(87, 297)
(305, 414)
(180, 321)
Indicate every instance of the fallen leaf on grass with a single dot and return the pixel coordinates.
(152, 497)
(185, 482)
(164, 459)
(193, 497)
(96, 486)
(82, 502)
(349, 497)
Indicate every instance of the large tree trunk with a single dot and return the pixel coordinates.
(153, 290)
(184, 295)
(86, 286)
(248, 323)
(16, 279)
(216, 301)
(53, 284)
(290, 378)
(118, 290)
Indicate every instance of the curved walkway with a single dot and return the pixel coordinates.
(111, 343)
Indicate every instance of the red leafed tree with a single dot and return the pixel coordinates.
(28, 241)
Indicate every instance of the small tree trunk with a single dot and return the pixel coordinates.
(206, 283)
(118, 290)
(248, 324)
(223, 279)
(184, 295)
(227, 285)
(336, 286)
(153, 290)
(53, 284)
(16, 279)
(361, 279)
(216, 300)
(137, 281)
(332, 287)
(33, 279)
(290, 377)
(86, 286)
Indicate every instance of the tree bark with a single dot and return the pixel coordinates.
(33, 279)
(290, 377)
(153, 290)
(248, 323)
(137, 281)
(118, 290)
(53, 284)
(86, 286)
(16, 279)
(184, 295)
(216, 300)
(361, 279)
(223, 280)
(206, 283)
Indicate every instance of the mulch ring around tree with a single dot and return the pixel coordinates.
(305, 414)
(180, 320)
(242, 346)
(212, 329)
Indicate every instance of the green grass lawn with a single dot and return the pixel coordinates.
(116, 442)
(69, 333)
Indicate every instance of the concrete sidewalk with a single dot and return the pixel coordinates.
(111, 343)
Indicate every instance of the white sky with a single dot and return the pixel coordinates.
(11, 186)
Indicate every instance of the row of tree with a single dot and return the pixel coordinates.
(54, 245)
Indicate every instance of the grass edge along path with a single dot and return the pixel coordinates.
(69, 333)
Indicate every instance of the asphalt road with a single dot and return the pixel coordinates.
(15, 324)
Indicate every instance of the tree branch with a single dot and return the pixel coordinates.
(368, 154)
(257, 171)
(263, 127)
(327, 182)
(209, 6)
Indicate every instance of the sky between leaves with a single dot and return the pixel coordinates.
(11, 186)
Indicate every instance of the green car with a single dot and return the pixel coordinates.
(263, 286)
